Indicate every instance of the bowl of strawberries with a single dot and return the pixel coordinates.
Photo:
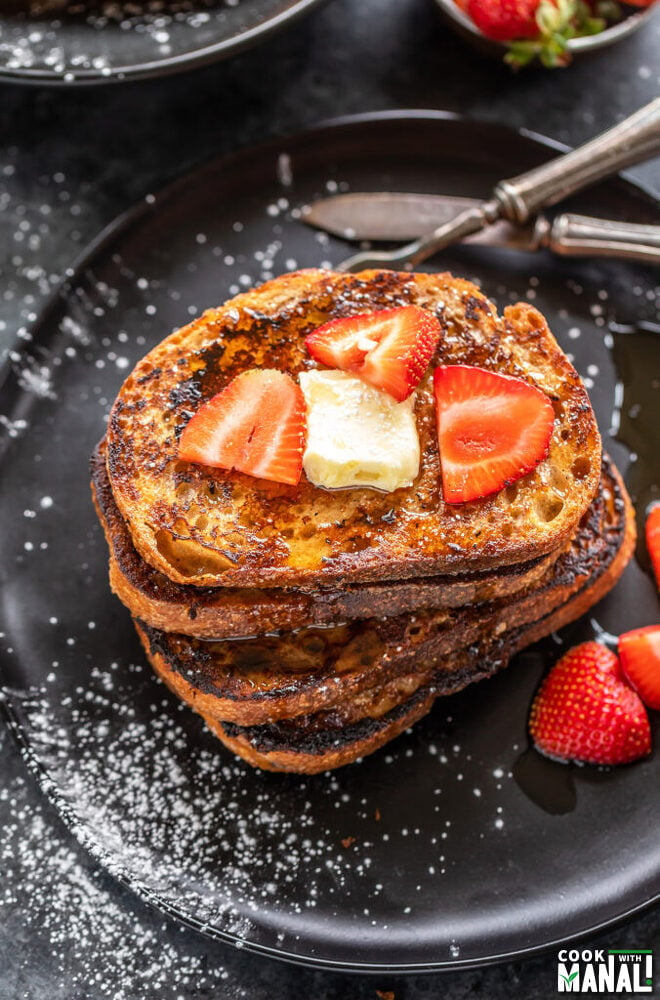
(549, 32)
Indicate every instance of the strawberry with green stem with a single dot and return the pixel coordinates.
(540, 28)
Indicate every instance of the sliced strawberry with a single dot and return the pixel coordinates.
(390, 349)
(257, 425)
(653, 539)
(640, 659)
(585, 711)
(492, 429)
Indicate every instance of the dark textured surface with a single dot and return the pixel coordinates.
(70, 161)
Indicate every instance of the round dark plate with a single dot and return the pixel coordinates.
(65, 42)
(453, 846)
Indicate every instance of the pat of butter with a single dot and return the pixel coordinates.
(357, 435)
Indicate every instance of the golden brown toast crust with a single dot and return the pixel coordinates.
(305, 747)
(211, 528)
(260, 681)
(233, 612)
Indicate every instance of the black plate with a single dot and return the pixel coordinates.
(66, 42)
(429, 854)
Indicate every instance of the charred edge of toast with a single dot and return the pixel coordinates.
(315, 735)
(594, 549)
(300, 763)
(322, 734)
(223, 612)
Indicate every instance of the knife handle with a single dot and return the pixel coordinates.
(581, 236)
(635, 139)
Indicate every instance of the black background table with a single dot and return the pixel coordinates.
(71, 160)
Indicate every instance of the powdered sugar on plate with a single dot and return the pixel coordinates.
(96, 942)
(69, 40)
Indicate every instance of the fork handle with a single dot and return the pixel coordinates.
(581, 236)
(635, 139)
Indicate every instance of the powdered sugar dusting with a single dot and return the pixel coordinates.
(72, 40)
(98, 943)
(182, 818)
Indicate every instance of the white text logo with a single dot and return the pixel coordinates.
(600, 971)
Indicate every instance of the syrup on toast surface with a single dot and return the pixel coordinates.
(366, 669)
(235, 612)
(327, 740)
(210, 528)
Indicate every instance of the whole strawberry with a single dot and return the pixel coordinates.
(537, 28)
(585, 711)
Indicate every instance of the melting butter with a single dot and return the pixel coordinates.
(357, 435)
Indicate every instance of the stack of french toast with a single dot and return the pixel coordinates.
(312, 618)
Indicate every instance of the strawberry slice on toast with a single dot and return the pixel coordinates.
(390, 349)
(256, 425)
(492, 429)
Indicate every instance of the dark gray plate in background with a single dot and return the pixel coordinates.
(101, 41)
(452, 847)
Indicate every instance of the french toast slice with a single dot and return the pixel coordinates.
(212, 528)
(314, 671)
(236, 612)
(314, 743)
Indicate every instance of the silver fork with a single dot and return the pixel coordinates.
(633, 140)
